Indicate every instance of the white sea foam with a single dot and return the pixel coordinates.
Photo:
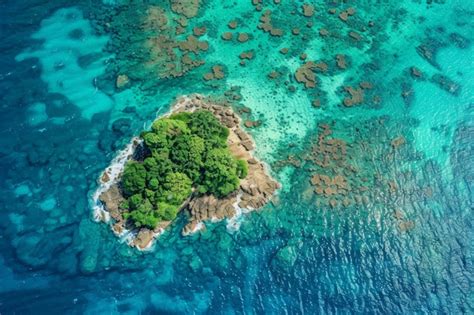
(233, 224)
(113, 172)
(198, 227)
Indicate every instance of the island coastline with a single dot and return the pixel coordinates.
(254, 191)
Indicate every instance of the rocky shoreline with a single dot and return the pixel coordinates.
(254, 191)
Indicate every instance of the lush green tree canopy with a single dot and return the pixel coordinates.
(158, 166)
(220, 175)
(169, 127)
(183, 116)
(205, 125)
(176, 188)
(155, 141)
(133, 178)
(144, 215)
(242, 169)
(188, 152)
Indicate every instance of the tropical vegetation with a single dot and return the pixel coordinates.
(185, 153)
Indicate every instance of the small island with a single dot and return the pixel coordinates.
(196, 159)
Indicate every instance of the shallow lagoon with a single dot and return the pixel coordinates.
(406, 246)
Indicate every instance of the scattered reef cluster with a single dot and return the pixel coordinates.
(312, 48)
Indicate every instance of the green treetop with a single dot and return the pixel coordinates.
(188, 153)
(176, 188)
(133, 178)
(220, 173)
(205, 125)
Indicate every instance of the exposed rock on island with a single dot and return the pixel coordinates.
(253, 191)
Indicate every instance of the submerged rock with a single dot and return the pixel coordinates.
(459, 40)
(341, 61)
(233, 24)
(415, 72)
(267, 26)
(285, 258)
(112, 199)
(356, 96)
(405, 226)
(143, 239)
(446, 84)
(306, 74)
(243, 37)
(308, 10)
(398, 141)
(122, 81)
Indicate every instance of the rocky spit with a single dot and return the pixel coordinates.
(254, 191)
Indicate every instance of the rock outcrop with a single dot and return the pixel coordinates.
(111, 200)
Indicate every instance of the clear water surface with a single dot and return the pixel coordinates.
(401, 241)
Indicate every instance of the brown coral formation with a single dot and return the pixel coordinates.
(398, 142)
(334, 179)
(356, 96)
(327, 186)
(192, 44)
(199, 31)
(188, 8)
(267, 26)
(156, 19)
(355, 36)
(243, 37)
(327, 149)
(366, 85)
(252, 123)
(247, 55)
(227, 36)
(344, 15)
(341, 61)
(323, 32)
(217, 73)
(446, 84)
(405, 226)
(295, 31)
(415, 72)
(257, 4)
(168, 56)
(306, 73)
(233, 24)
(308, 10)
(273, 75)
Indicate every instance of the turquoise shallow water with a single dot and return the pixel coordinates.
(400, 241)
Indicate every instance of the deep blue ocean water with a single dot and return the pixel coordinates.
(402, 245)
